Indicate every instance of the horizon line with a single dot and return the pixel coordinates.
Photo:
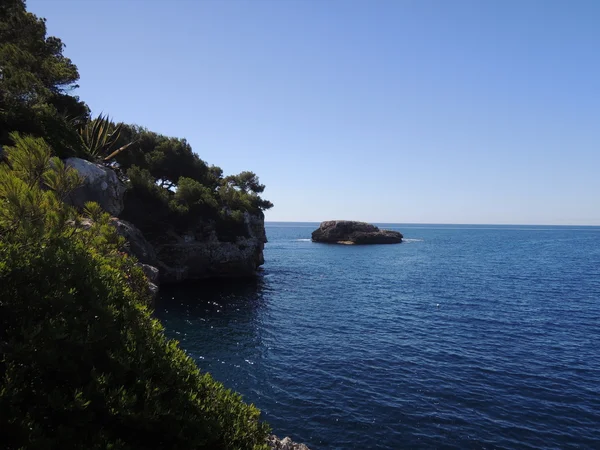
(447, 223)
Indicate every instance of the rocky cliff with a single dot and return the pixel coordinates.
(198, 253)
(350, 232)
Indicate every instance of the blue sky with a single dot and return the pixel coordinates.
(384, 111)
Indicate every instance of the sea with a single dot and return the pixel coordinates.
(461, 337)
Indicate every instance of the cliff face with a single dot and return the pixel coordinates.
(196, 254)
(200, 254)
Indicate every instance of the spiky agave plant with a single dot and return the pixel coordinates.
(99, 137)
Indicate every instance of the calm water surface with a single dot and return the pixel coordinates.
(461, 337)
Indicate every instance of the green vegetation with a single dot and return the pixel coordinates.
(35, 85)
(98, 139)
(35, 82)
(82, 362)
(180, 189)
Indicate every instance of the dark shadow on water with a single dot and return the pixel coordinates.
(227, 292)
(214, 318)
(220, 325)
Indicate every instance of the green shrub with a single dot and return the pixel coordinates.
(173, 189)
(82, 362)
(147, 205)
(35, 82)
(230, 225)
(194, 195)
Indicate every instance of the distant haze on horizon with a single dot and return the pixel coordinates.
(467, 112)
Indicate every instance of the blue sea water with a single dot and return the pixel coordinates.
(466, 337)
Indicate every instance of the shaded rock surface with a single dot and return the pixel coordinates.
(100, 185)
(3, 157)
(128, 231)
(200, 254)
(284, 444)
(350, 232)
(152, 274)
(136, 243)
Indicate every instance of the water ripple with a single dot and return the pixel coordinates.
(469, 337)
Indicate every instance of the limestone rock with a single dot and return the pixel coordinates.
(136, 244)
(200, 254)
(100, 185)
(284, 444)
(152, 274)
(350, 232)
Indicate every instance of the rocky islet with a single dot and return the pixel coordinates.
(354, 233)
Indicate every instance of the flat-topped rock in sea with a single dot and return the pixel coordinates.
(351, 232)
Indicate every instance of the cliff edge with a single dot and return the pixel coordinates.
(200, 250)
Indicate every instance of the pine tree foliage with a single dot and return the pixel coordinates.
(82, 362)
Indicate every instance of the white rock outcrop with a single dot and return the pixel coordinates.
(284, 444)
(100, 185)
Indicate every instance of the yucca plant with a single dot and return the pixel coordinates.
(99, 137)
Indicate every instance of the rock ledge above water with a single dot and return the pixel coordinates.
(284, 444)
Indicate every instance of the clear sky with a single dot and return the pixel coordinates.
(386, 111)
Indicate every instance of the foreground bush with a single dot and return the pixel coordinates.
(82, 362)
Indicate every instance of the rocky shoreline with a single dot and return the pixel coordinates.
(284, 444)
